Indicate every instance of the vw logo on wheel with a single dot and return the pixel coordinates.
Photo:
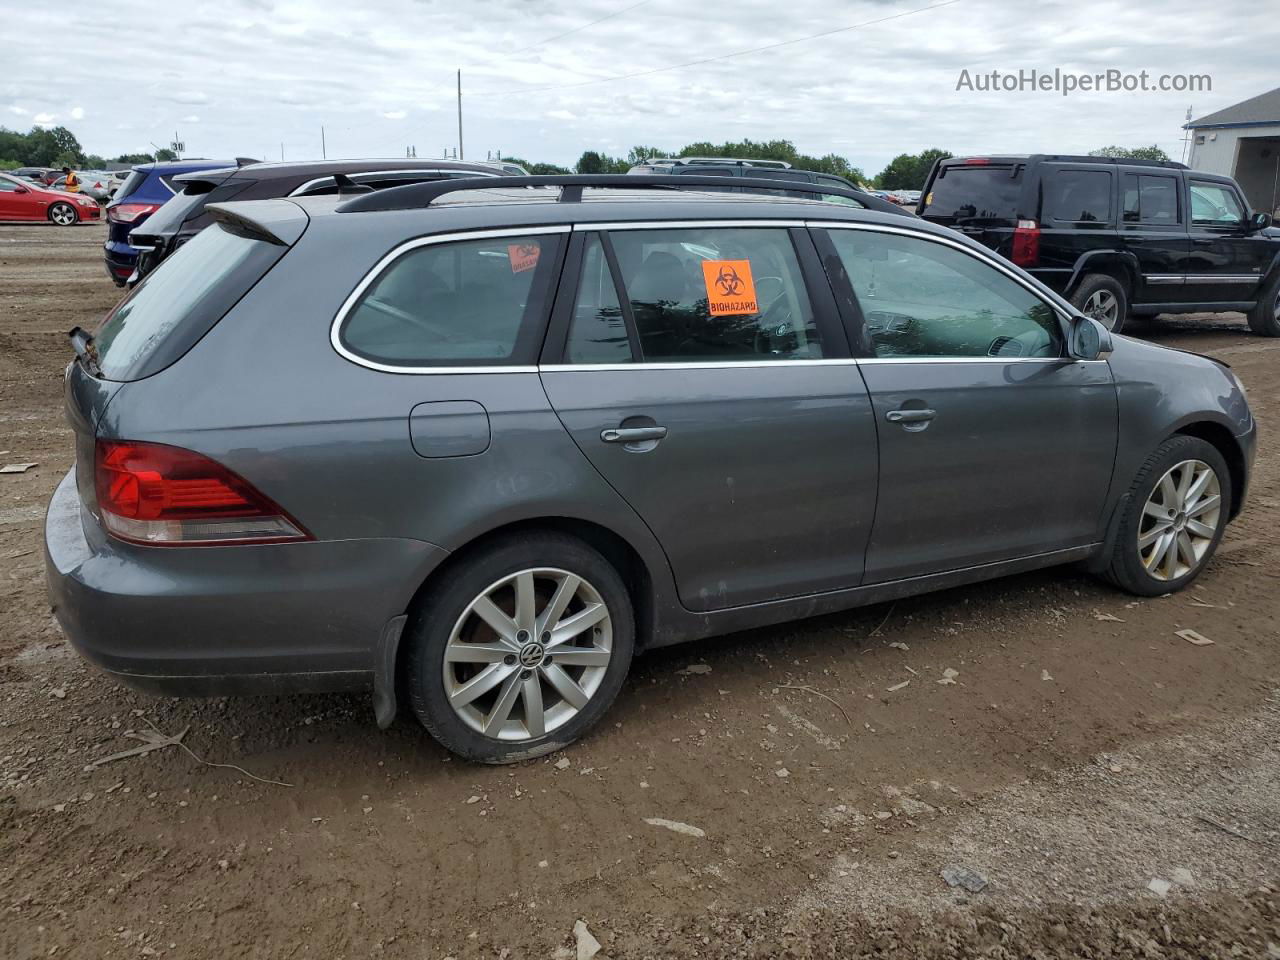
(531, 655)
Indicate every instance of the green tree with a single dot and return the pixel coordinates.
(134, 158)
(907, 171)
(165, 154)
(538, 169)
(593, 162)
(1152, 152)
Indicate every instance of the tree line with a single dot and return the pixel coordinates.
(58, 147)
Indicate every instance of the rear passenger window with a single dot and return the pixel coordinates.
(598, 332)
(1078, 196)
(471, 301)
(1151, 200)
(717, 294)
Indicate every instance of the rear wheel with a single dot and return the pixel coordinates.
(1104, 298)
(520, 650)
(1264, 318)
(1176, 514)
(63, 214)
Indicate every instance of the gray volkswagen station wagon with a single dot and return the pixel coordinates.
(473, 445)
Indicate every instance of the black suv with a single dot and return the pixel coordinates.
(185, 215)
(1117, 237)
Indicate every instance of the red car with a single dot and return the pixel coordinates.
(23, 200)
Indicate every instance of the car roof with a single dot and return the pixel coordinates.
(182, 166)
(1060, 158)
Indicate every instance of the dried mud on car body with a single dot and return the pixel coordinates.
(825, 825)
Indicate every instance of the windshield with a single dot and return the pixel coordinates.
(180, 302)
(964, 194)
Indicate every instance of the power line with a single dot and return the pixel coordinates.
(724, 56)
(569, 33)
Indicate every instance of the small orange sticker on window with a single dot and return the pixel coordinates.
(730, 288)
(523, 256)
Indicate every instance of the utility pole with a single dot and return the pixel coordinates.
(460, 153)
(282, 150)
(323, 154)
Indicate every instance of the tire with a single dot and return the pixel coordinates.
(1104, 298)
(1264, 318)
(63, 214)
(446, 621)
(1131, 567)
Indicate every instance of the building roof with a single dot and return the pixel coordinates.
(1256, 111)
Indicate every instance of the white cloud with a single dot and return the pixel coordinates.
(77, 113)
(44, 119)
(17, 110)
(395, 114)
(191, 118)
(560, 115)
(188, 96)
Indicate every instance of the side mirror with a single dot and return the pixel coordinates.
(1089, 339)
(1260, 221)
(19, 189)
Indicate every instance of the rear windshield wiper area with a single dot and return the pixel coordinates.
(82, 344)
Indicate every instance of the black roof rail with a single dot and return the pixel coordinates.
(245, 161)
(417, 195)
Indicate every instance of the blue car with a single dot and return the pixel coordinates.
(147, 189)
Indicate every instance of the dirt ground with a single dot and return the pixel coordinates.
(1117, 787)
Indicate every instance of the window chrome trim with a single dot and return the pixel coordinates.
(699, 365)
(1063, 360)
(1223, 278)
(298, 191)
(335, 328)
(1163, 278)
(685, 224)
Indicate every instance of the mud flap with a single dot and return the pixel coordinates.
(384, 672)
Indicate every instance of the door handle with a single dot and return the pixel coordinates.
(1203, 241)
(632, 434)
(910, 416)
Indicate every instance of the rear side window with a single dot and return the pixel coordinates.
(130, 185)
(973, 194)
(1078, 196)
(597, 332)
(1152, 200)
(179, 303)
(462, 302)
(716, 294)
(1215, 204)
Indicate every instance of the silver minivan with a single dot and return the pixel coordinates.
(475, 444)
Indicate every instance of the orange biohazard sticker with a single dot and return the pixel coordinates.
(730, 288)
(523, 256)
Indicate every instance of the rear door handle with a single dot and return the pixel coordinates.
(632, 434)
(910, 416)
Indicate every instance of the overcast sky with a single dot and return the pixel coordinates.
(239, 77)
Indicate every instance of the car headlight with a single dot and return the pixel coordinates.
(86, 201)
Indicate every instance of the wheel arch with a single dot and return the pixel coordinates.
(1120, 265)
(615, 548)
(1221, 439)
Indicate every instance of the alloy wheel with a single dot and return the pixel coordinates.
(527, 655)
(62, 215)
(1104, 307)
(1180, 520)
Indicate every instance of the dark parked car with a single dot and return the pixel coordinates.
(38, 174)
(1119, 238)
(477, 445)
(756, 169)
(186, 214)
(147, 189)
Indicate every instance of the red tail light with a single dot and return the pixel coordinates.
(977, 161)
(1026, 243)
(153, 493)
(129, 212)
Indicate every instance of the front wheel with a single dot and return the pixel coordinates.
(521, 649)
(1104, 298)
(1175, 517)
(1264, 318)
(63, 214)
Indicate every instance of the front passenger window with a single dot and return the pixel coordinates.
(920, 298)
